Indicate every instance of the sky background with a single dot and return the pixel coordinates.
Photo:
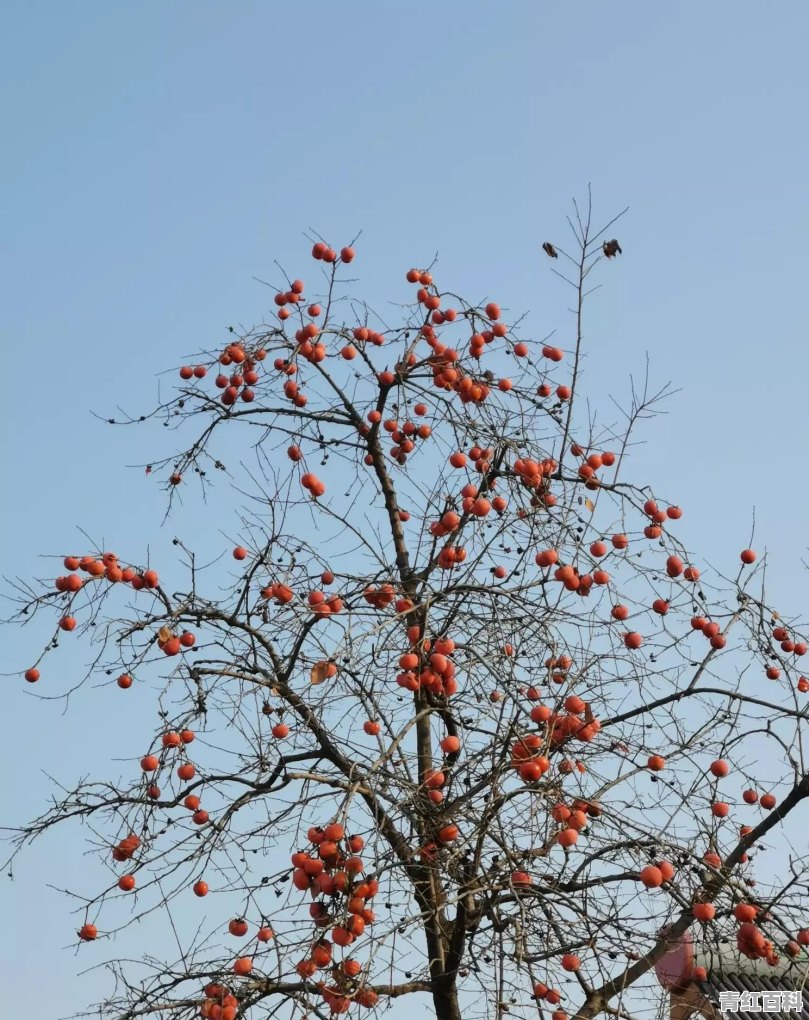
(159, 156)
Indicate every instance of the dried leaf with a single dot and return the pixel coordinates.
(319, 672)
(589, 504)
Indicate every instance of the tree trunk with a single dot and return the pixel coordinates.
(445, 999)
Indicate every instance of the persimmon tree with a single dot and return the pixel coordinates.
(455, 719)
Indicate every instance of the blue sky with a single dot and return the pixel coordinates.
(159, 157)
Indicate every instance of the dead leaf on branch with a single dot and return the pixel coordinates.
(319, 672)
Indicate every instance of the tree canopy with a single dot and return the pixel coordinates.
(456, 718)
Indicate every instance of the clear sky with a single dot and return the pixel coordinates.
(159, 156)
